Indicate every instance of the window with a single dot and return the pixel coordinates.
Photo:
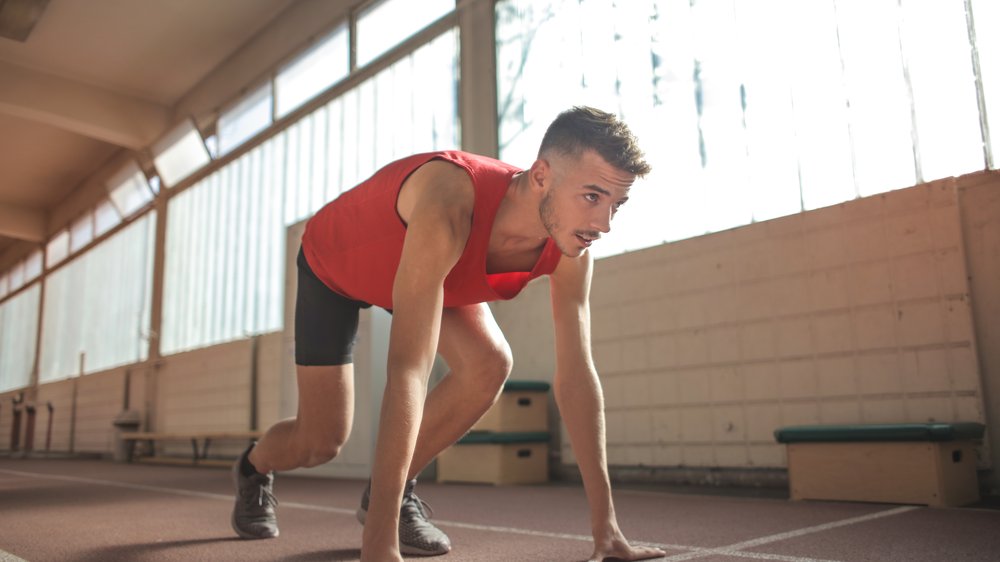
(225, 247)
(98, 305)
(986, 17)
(57, 248)
(18, 335)
(248, 116)
(16, 276)
(33, 266)
(81, 232)
(180, 153)
(312, 72)
(129, 190)
(389, 22)
(727, 111)
(106, 217)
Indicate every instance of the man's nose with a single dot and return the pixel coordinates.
(602, 220)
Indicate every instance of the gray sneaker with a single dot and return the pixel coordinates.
(417, 535)
(253, 514)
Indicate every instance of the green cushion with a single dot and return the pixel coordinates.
(525, 386)
(880, 432)
(491, 437)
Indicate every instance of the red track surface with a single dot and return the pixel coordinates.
(81, 510)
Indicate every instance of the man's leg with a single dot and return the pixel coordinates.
(479, 358)
(480, 361)
(326, 325)
(322, 426)
(314, 436)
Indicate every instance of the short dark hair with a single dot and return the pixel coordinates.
(582, 128)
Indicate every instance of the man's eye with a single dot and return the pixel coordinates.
(592, 197)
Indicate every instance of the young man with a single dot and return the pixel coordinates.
(432, 238)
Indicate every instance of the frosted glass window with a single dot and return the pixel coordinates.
(97, 306)
(16, 276)
(57, 249)
(180, 153)
(312, 72)
(986, 16)
(81, 232)
(249, 116)
(18, 335)
(106, 217)
(33, 266)
(743, 117)
(225, 247)
(129, 190)
(949, 137)
(389, 22)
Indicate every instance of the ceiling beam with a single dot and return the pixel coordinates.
(80, 108)
(22, 223)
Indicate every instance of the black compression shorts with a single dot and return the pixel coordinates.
(326, 323)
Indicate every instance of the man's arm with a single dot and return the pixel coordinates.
(581, 403)
(438, 212)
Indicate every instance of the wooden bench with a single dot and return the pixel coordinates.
(200, 441)
(920, 463)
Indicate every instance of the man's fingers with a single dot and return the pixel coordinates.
(645, 553)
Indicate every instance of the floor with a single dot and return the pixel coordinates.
(96, 510)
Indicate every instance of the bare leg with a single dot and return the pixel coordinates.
(480, 361)
(322, 426)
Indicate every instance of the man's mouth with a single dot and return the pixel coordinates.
(586, 240)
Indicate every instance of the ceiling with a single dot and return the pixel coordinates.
(95, 77)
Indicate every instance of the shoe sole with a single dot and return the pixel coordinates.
(403, 548)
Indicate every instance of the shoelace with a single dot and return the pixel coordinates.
(263, 498)
(413, 503)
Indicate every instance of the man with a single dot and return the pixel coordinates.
(432, 238)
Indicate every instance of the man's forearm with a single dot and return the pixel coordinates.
(581, 405)
(402, 409)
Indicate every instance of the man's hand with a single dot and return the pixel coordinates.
(618, 548)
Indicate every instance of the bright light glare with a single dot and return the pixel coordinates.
(180, 154)
(387, 23)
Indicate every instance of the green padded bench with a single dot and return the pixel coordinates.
(912, 463)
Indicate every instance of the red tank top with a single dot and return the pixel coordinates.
(353, 244)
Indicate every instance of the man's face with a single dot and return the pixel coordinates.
(580, 200)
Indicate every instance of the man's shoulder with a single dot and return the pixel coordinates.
(472, 161)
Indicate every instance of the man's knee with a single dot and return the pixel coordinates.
(493, 372)
(322, 452)
(316, 450)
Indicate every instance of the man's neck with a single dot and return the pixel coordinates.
(518, 226)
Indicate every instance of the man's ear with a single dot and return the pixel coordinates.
(540, 174)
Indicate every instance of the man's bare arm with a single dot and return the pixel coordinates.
(438, 212)
(581, 403)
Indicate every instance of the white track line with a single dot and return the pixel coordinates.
(693, 552)
(736, 549)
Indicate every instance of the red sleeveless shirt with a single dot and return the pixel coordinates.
(353, 244)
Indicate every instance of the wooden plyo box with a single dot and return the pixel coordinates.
(852, 465)
(496, 458)
(523, 406)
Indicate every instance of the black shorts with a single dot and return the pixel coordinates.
(326, 323)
